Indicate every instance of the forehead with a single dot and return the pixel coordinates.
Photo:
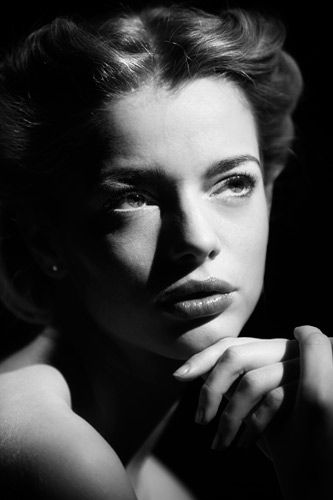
(204, 120)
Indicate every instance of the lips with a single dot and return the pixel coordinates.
(196, 299)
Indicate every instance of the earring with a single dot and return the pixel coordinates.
(55, 271)
(54, 268)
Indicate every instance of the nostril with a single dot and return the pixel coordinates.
(213, 254)
(189, 251)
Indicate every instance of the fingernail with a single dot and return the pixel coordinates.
(183, 370)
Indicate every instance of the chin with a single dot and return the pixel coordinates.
(200, 336)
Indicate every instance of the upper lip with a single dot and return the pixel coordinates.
(192, 289)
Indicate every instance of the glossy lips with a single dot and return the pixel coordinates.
(196, 299)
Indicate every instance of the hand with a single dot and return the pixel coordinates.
(253, 374)
(302, 448)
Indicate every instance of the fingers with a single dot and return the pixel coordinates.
(235, 361)
(280, 398)
(316, 365)
(204, 361)
(260, 390)
(277, 403)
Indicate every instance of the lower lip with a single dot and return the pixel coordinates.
(200, 307)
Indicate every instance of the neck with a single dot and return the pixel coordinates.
(131, 389)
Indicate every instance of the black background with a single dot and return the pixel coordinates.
(298, 284)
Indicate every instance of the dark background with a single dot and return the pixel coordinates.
(298, 285)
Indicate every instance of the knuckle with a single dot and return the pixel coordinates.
(232, 356)
(208, 391)
(227, 419)
(250, 383)
(256, 422)
(274, 398)
(226, 342)
(222, 346)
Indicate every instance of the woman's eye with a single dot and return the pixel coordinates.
(128, 201)
(133, 200)
(239, 185)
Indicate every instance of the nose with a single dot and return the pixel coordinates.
(193, 235)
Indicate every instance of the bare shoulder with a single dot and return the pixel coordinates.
(27, 373)
(52, 450)
(28, 385)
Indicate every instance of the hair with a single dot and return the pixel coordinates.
(55, 87)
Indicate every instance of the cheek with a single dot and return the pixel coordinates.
(132, 248)
(120, 257)
(252, 247)
(248, 242)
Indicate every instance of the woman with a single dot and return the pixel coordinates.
(137, 164)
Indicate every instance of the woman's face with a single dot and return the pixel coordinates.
(170, 254)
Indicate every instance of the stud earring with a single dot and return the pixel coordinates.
(54, 268)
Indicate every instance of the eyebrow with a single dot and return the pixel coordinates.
(227, 164)
(142, 172)
(131, 174)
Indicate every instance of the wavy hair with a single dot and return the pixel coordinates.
(55, 87)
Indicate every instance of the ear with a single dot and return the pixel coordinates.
(43, 241)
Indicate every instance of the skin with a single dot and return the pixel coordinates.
(118, 259)
(188, 223)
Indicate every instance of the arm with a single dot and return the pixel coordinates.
(47, 450)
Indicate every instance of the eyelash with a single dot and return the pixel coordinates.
(249, 181)
(112, 205)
